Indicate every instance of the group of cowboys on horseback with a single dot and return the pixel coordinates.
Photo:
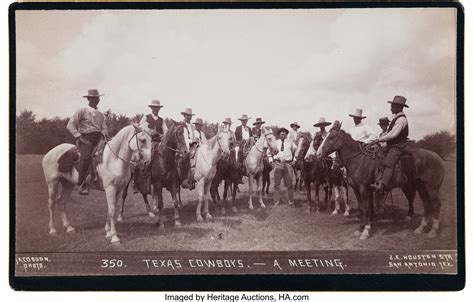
(151, 145)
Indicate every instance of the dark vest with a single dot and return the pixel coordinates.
(256, 132)
(402, 136)
(157, 125)
(238, 132)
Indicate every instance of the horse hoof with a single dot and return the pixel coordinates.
(357, 233)
(120, 218)
(346, 214)
(108, 234)
(418, 231)
(161, 227)
(199, 219)
(251, 208)
(70, 229)
(53, 233)
(364, 236)
(177, 224)
(431, 234)
(334, 213)
(151, 214)
(408, 218)
(263, 206)
(223, 211)
(115, 240)
(234, 210)
(208, 216)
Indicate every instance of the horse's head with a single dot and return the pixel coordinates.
(176, 139)
(269, 140)
(223, 138)
(302, 142)
(333, 142)
(140, 142)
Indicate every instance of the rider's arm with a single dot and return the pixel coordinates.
(400, 123)
(371, 136)
(73, 122)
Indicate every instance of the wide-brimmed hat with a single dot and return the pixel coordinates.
(155, 103)
(244, 117)
(282, 130)
(92, 93)
(383, 121)
(295, 124)
(259, 121)
(227, 120)
(188, 111)
(358, 113)
(400, 100)
(322, 123)
(198, 121)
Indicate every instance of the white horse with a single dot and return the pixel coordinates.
(254, 162)
(206, 158)
(114, 170)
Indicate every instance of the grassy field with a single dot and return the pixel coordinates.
(280, 228)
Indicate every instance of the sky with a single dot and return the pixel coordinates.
(281, 65)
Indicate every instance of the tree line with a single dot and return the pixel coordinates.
(39, 136)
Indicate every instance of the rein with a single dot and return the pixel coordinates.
(138, 147)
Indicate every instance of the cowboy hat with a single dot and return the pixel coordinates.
(187, 111)
(198, 121)
(322, 123)
(383, 121)
(227, 120)
(92, 93)
(259, 121)
(155, 103)
(282, 130)
(358, 113)
(295, 124)
(399, 100)
(244, 117)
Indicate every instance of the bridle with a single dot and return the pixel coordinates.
(180, 152)
(140, 154)
(266, 141)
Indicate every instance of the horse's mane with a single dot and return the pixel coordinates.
(123, 134)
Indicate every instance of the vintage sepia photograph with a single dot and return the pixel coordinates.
(292, 141)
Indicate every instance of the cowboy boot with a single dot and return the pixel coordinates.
(84, 188)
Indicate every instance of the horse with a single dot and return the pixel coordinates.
(206, 158)
(424, 175)
(254, 162)
(164, 173)
(114, 171)
(314, 170)
(267, 168)
(337, 181)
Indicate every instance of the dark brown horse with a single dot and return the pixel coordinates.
(314, 170)
(164, 172)
(423, 173)
(267, 168)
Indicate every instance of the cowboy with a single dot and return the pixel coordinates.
(154, 121)
(322, 124)
(88, 126)
(337, 125)
(396, 138)
(189, 137)
(257, 130)
(361, 132)
(243, 132)
(282, 165)
(198, 133)
(383, 123)
(141, 174)
(293, 136)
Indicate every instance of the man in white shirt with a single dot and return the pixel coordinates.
(199, 135)
(282, 165)
(293, 135)
(190, 139)
(396, 138)
(361, 132)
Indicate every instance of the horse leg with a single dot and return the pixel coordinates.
(410, 191)
(250, 192)
(427, 208)
(207, 186)
(111, 194)
(366, 198)
(180, 203)
(316, 195)
(124, 196)
(336, 200)
(345, 200)
(147, 205)
(227, 184)
(234, 185)
(174, 191)
(433, 194)
(53, 193)
(158, 192)
(200, 189)
(308, 196)
(259, 190)
(62, 200)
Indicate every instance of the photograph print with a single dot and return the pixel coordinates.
(236, 141)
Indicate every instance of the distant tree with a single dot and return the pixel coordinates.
(25, 132)
(443, 143)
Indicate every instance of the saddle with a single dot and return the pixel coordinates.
(403, 171)
(69, 160)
